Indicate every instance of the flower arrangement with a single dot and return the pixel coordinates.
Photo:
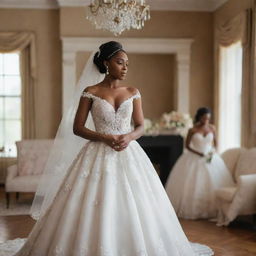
(151, 127)
(175, 120)
(147, 125)
(170, 123)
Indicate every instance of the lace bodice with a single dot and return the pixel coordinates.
(202, 143)
(106, 119)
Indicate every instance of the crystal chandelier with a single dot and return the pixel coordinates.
(118, 15)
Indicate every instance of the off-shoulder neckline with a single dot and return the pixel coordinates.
(113, 107)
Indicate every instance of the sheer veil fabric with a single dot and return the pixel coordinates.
(66, 145)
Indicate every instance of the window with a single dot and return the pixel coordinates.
(230, 91)
(10, 102)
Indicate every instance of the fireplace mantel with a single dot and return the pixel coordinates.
(181, 48)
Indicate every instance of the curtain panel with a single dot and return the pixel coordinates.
(253, 78)
(239, 28)
(25, 43)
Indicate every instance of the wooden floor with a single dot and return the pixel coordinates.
(236, 240)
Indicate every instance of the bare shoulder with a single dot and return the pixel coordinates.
(92, 88)
(192, 130)
(132, 90)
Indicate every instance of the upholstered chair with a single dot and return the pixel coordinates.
(240, 199)
(25, 175)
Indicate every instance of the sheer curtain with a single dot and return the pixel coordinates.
(233, 63)
(24, 42)
(230, 96)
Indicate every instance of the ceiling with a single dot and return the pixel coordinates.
(175, 5)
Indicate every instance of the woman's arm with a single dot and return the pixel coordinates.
(215, 139)
(188, 140)
(79, 122)
(138, 120)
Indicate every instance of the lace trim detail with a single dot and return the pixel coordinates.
(137, 95)
(109, 120)
(10, 247)
(87, 94)
(91, 96)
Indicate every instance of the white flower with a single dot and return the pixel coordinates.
(147, 124)
(175, 120)
(180, 122)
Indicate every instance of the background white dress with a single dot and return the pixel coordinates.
(110, 203)
(192, 182)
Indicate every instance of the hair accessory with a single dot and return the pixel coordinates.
(114, 52)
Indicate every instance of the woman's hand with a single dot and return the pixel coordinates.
(123, 141)
(117, 142)
(201, 154)
(110, 140)
(196, 152)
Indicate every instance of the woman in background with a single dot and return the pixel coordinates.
(198, 172)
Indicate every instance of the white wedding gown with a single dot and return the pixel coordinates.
(192, 182)
(109, 204)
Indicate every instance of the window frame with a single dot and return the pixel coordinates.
(8, 147)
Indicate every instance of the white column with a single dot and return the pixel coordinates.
(183, 82)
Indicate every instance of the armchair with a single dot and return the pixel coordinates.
(25, 175)
(241, 199)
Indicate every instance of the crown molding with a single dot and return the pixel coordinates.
(161, 5)
(186, 5)
(181, 47)
(73, 3)
(219, 3)
(132, 45)
(29, 4)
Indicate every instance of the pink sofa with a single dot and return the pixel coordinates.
(25, 175)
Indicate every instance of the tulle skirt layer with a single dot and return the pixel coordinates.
(192, 183)
(110, 204)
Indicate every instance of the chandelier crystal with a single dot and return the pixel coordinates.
(118, 15)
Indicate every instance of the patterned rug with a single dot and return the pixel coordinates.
(16, 207)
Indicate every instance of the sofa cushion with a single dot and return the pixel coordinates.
(226, 194)
(246, 163)
(32, 156)
(231, 157)
(23, 183)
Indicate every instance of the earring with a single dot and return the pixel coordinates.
(107, 72)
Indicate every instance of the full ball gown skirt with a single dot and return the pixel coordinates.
(192, 182)
(109, 203)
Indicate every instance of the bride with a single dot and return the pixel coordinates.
(110, 200)
(198, 172)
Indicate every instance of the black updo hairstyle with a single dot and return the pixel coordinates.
(106, 52)
(200, 112)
